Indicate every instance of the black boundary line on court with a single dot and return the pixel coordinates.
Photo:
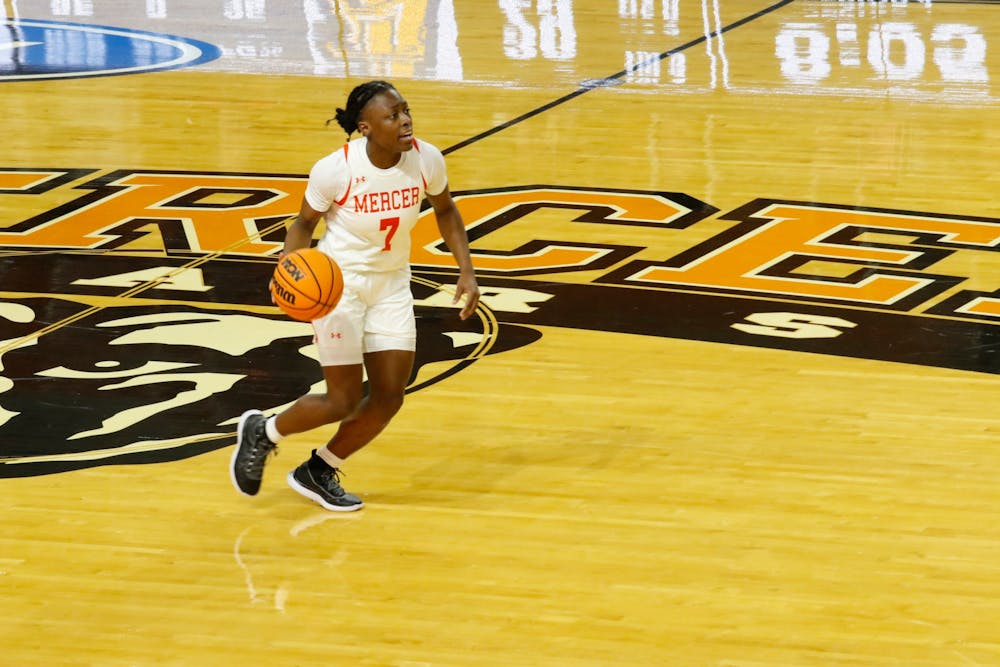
(610, 80)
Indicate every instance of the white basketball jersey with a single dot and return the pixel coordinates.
(370, 211)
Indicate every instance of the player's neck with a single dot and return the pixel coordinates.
(380, 158)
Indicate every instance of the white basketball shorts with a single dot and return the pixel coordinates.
(374, 314)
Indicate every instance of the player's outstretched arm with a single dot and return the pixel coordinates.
(452, 229)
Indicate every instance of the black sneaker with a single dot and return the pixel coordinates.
(317, 481)
(252, 449)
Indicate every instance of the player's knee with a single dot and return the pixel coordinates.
(387, 404)
(340, 403)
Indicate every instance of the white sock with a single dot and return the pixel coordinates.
(272, 430)
(331, 459)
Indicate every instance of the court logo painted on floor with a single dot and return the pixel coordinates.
(32, 50)
(135, 325)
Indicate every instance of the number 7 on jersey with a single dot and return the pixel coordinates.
(390, 224)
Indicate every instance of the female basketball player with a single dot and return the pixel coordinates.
(369, 192)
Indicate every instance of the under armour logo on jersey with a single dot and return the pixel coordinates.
(336, 334)
(359, 179)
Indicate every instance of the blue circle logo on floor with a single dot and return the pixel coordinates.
(32, 50)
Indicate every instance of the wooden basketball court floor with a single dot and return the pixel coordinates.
(730, 398)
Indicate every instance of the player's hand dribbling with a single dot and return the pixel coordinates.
(270, 283)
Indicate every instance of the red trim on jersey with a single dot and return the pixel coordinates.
(421, 164)
(348, 191)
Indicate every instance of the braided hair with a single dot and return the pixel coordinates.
(348, 117)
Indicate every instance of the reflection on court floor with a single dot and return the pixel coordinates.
(930, 52)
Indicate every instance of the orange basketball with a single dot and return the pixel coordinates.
(307, 284)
